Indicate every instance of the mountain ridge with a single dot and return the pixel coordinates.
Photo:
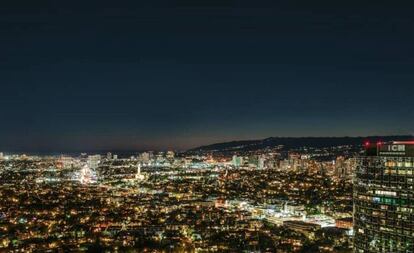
(296, 142)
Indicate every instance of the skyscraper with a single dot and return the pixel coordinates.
(261, 162)
(237, 161)
(93, 161)
(384, 198)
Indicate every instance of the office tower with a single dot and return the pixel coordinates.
(350, 165)
(93, 161)
(1, 155)
(145, 157)
(109, 156)
(261, 162)
(339, 166)
(237, 161)
(384, 198)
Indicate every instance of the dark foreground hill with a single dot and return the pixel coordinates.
(297, 142)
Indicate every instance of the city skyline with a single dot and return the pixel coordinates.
(207, 126)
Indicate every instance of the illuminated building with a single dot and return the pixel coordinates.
(384, 198)
(87, 175)
(237, 161)
(93, 161)
(302, 227)
(170, 155)
(261, 163)
(145, 157)
(345, 223)
(340, 169)
(138, 175)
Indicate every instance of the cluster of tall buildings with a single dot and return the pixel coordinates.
(257, 161)
(383, 192)
(383, 187)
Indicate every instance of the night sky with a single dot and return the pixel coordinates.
(107, 75)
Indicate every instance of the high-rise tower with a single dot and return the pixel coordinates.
(384, 198)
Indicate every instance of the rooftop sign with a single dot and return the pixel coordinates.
(395, 149)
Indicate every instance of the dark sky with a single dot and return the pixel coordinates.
(129, 75)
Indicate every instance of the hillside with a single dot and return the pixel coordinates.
(296, 142)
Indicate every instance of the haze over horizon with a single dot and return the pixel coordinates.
(135, 149)
(180, 74)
